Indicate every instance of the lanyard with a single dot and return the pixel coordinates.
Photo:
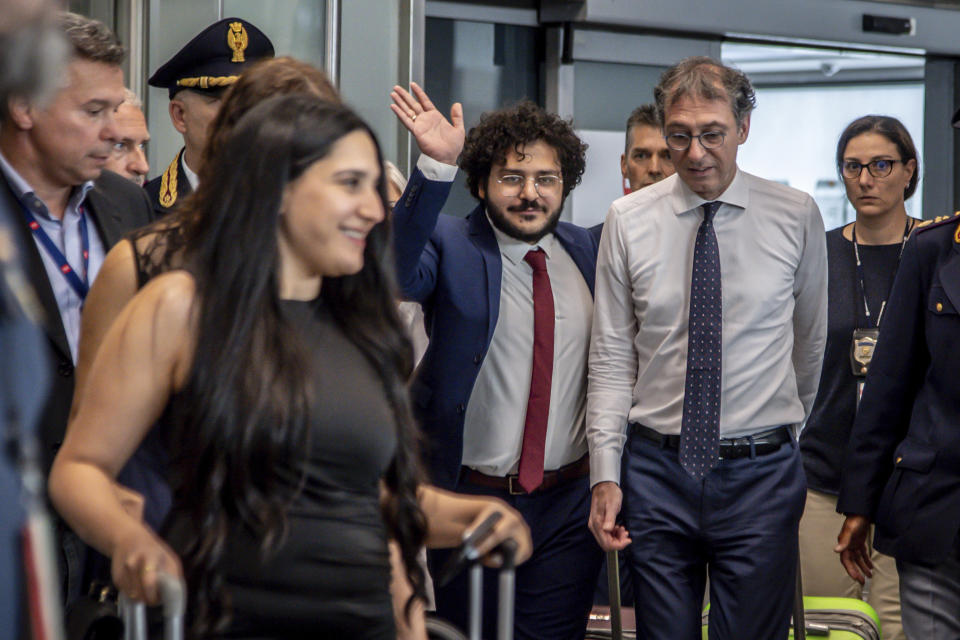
(80, 286)
(860, 277)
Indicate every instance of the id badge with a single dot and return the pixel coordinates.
(861, 350)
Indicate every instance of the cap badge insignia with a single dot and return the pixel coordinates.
(237, 40)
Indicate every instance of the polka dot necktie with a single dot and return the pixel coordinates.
(700, 428)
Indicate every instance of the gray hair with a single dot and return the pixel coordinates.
(91, 39)
(130, 98)
(705, 78)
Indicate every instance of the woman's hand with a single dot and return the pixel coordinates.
(138, 557)
(510, 526)
(852, 547)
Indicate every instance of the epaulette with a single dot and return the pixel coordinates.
(939, 221)
(168, 183)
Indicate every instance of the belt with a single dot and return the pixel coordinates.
(510, 483)
(758, 444)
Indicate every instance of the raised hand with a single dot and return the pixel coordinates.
(439, 138)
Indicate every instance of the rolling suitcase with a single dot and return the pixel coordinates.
(830, 618)
(134, 614)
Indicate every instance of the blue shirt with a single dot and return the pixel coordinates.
(65, 234)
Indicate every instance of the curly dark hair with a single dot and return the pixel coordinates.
(510, 129)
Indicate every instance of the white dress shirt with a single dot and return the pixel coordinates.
(496, 411)
(191, 175)
(773, 268)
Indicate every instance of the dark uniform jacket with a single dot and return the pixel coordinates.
(903, 461)
(166, 190)
(115, 205)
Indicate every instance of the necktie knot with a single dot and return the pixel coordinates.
(537, 259)
(710, 209)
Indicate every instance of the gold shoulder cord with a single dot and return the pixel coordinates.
(168, 183)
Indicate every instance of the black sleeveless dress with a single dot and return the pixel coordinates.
(330, 578)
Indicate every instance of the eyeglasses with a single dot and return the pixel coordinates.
(708, 140)
(851, 169)
(546, 185)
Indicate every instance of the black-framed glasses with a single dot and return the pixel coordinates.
(512, 184)
(708, 140)
(880, 168)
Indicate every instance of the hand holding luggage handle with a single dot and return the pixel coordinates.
(174, 599)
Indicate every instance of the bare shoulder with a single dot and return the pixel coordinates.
(119, 266)
(165, 307)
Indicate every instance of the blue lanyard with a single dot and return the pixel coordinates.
(79, 285)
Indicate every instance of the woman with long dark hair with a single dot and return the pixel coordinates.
(878, 163)
(277, 360)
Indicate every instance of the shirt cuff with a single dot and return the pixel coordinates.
(436, 170)
(604, 466)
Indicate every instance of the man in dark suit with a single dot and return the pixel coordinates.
(66, 211)
(500, 392)
(197, 77)
(902, 469)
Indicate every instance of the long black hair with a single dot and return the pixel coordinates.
(244, 410)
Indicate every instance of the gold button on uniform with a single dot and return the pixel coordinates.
(939, 307)
(899, 459)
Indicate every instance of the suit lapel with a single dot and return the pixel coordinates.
(105, 216)
(481, 233)
(582, 256)
(36, 273)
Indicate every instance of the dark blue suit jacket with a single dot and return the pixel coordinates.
(452, 266)
(903, 461)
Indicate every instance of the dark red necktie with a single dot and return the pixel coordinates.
(538, 404)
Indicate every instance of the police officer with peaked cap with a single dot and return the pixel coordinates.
(196, 77)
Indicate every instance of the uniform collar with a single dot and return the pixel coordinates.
(187, 171)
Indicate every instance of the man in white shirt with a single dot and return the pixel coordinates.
(501, 390)
(708, 332)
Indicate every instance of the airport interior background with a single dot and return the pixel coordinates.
(816, 65)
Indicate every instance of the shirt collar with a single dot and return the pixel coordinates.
(191, 176)
(514, 250)
(685, 200)
(22, 189)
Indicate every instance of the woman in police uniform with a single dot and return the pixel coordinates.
(903, 461)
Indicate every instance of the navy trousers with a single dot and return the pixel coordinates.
(740, 521)
(555, 586)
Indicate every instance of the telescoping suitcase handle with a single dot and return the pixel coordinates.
(173, 595)
(505, 604)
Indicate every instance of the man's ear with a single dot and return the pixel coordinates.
(623, 165)
(743, 129)
(177, 114)
(21, 113)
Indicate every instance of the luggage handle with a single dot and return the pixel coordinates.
(613, 591)
(133, 614)
(507, 585)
